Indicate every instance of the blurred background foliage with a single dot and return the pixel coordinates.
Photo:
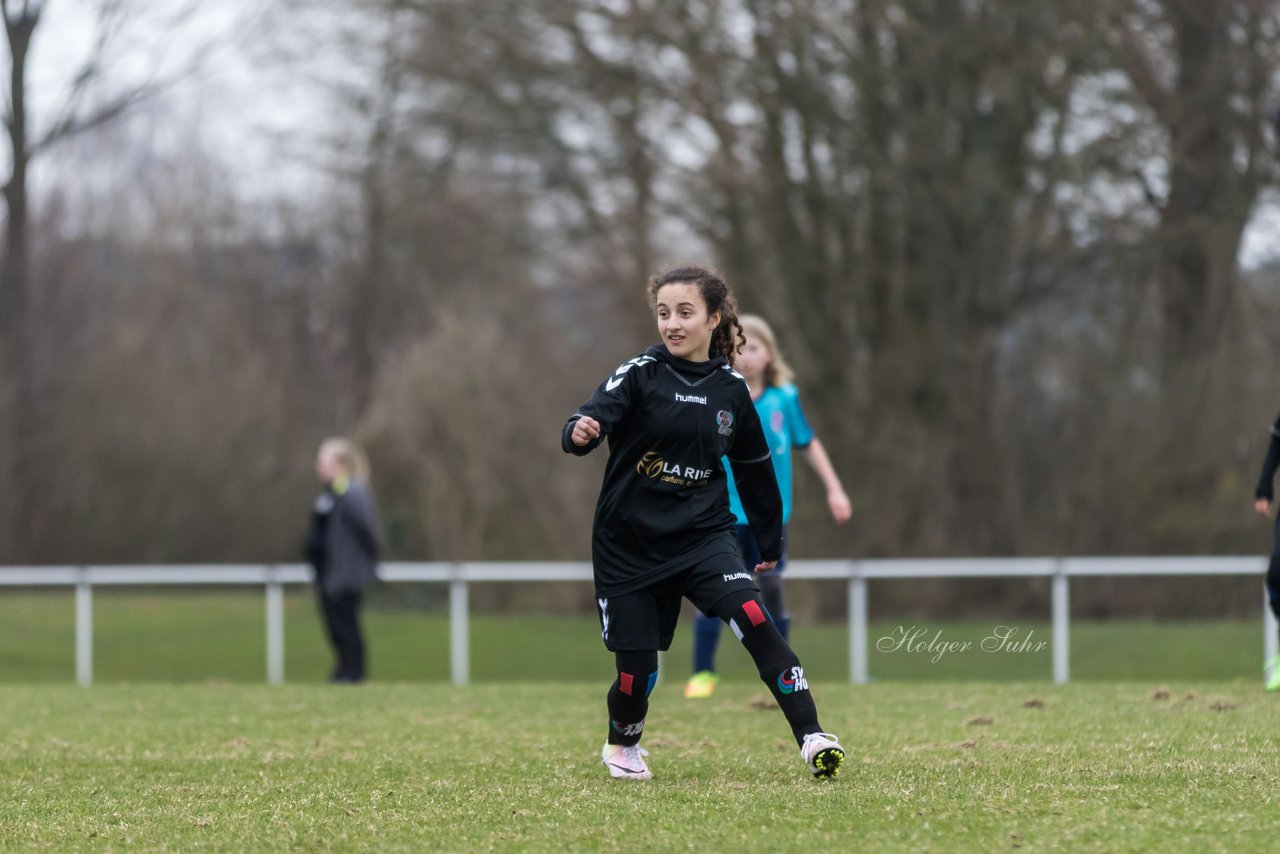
(1001, 243)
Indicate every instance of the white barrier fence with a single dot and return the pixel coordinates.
(855, 573)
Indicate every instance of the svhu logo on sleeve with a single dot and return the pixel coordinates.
(792, 680)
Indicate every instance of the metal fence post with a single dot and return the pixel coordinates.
(459, 632)
(275, 627)
(857, 625)
(1061, 624)
(84, 628)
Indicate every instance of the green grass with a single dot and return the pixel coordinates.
(973, 751)
(502, 767)
(202, 636)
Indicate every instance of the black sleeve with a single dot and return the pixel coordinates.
(313, 543)
(608, 404)
(1265, 489)
(363, 518)
(757, 484)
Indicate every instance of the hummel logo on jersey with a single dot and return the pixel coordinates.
(690, 398)
(738, 575)
(616, 380)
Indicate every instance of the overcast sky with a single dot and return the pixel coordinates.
(233, 106)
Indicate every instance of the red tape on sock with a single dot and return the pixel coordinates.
(624, 683)
(753, 612)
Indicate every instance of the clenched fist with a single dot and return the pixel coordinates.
(585, 430)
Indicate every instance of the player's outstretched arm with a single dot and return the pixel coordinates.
(837, 500)
(604, 412)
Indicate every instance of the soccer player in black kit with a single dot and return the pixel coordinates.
(663, 529)
(1263, 496)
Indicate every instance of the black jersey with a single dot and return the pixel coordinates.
(1269, 464)
(664, 505)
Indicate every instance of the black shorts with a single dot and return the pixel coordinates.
(646, 619)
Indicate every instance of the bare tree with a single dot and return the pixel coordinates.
(90, 102)
(79, 112)
(1206, 72)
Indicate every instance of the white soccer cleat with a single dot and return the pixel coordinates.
(823, 754)
(626, 763)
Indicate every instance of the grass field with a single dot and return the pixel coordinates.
(175, 748)
(499, 767)
(202, 636)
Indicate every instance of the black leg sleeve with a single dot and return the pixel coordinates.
(777, 664)
(629, 695)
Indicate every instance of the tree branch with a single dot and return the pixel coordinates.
(71, 125)
(111, 20)
(1136, 63)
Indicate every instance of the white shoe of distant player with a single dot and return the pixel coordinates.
(823, 754)
(626, 763)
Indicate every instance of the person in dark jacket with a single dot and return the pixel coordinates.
(663, 530)
(342, 547)
(1263, 497)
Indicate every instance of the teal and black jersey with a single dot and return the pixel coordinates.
(785, 428)
(664, 505)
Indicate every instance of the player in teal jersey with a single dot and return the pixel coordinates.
(778, 403)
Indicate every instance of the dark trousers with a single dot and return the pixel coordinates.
(342, 620)
(1273, 573)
